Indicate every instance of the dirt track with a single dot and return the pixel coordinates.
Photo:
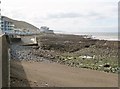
(44, 74)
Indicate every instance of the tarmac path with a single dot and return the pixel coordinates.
(42, 74)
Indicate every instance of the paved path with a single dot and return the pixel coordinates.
(53, 74)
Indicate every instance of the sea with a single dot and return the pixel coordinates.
(111, 36)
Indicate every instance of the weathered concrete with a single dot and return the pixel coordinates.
(29, 39)
(15, 40)
(0, 62)
(4, 62)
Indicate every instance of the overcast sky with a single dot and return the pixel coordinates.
(65, 15)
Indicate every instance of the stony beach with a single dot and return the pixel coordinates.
(63, 51)
(77, 51)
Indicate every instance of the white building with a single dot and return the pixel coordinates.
(45, 29)
(6, 25)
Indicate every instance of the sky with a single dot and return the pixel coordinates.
(65, 15)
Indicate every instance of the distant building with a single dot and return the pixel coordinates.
(45, 29)
(6, 25)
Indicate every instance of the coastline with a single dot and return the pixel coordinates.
(109, 36)
(65, 58)
(79, 51)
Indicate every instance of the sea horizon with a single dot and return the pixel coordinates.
(111, 36)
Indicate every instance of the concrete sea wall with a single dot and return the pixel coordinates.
(4, 62)
(0, 62)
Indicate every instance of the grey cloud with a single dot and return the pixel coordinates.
(93, 14)
(72, 15)
(65, 15)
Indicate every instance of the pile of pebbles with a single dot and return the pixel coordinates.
(24, 53)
